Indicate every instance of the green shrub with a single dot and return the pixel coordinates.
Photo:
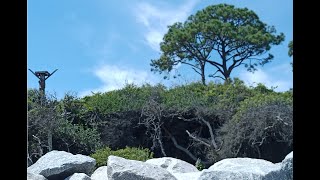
(133, 153)
(131, 97)
(199, 165)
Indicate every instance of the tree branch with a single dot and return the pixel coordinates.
(213, 142)
(197, 139)
(39, 146)
(178, 146)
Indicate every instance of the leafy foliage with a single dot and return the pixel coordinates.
(199, 165)
(52, 123)
(290, 51)
(133, 153)
(290, 46)
(129, 98)
(76, 138)
(235, 35)
(207, 122)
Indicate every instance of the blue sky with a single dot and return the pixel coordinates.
(100, 45)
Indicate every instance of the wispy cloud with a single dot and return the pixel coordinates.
(115, 77)
(260, 76)
(156, 19)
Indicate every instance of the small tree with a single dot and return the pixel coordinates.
(235, 35)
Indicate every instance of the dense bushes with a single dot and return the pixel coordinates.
(119, 130)
(262, 128)
(129, 98)
(189, 122)
(52, 125)
(140, 154)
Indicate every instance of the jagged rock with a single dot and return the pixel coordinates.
(62, 165)
(284, 170)
(57, 165)
(121, 169)
(78, 176)
(173, 165)
(100, 173)
(238, 168)
(32, 176)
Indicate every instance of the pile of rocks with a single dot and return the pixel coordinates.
(60, 165)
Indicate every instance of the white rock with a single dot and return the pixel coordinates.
(60, 165)
(123, 169)
(173, 165)
(100, 173)
(78, 176)
(31, 176)
(187, 176)
(238, 168)
(284, 171)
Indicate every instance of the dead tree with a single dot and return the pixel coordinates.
(43, 76)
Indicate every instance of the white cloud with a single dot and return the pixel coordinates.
(260, 76)
(156, 19)
(115, 77)
(154, 37)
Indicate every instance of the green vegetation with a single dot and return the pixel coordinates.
(235, 35)
(139, 154)
(290, 46)
(51, 125)
(290, 51)
(189, 122)
(199, 165)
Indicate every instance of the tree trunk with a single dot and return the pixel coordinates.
(203, 76)
(227, 78)
(203, 79)
(49, 140)
(160, 143)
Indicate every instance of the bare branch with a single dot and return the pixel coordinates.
(197, 139)
(178, 146)
(187, 120)
(213, 142)
(280, 119)
(220, 146)
(39, 145)
(196, 71)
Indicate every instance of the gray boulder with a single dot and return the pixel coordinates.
(31, 176)
(60, 165)
(187, 176)
(173, 165)
(238, 168)
(78, 176)
(284, 170)
(122, 169)
(287, 166)
(100, 173)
